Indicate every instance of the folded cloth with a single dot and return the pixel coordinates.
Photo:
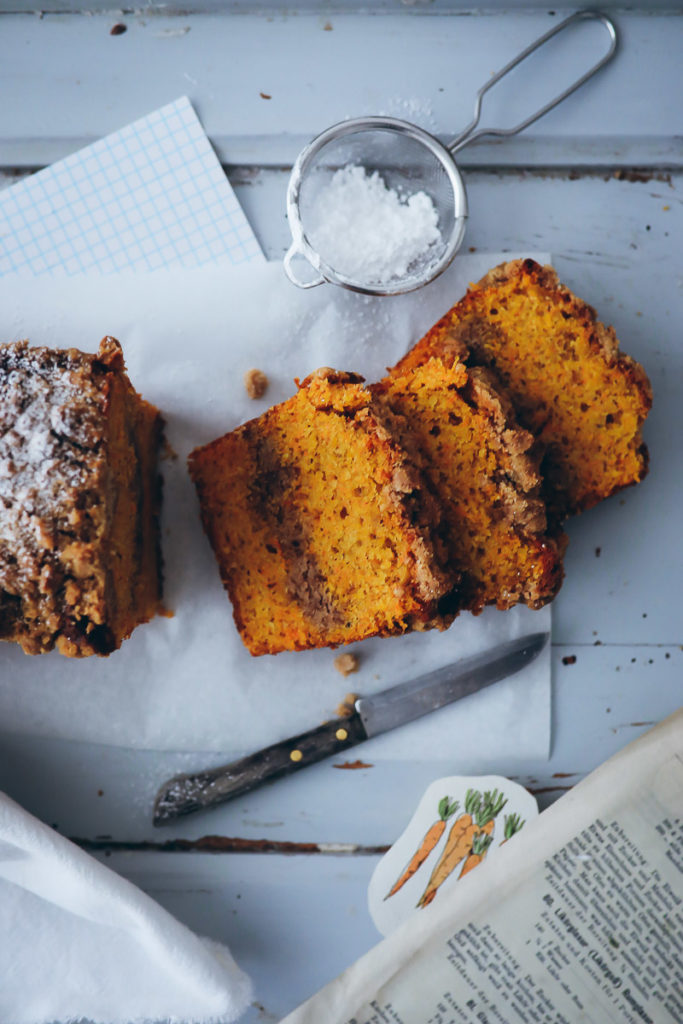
(77, 941)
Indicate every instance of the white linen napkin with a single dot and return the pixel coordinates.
(80, 942)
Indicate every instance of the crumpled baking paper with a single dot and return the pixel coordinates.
(187, 682)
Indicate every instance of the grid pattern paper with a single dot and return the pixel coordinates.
(152, 195)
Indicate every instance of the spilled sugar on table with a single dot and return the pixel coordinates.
(281, 875)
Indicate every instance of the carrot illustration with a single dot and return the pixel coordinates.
(513, 824)
(493, 803)
(458, 845)
(480, 845)
(431, 837)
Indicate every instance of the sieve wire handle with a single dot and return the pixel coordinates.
(469, 134)
(296, 251)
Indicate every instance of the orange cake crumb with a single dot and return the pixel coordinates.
(347, 707)
(346, 663)
(255, 383)
(582, 398)
(318, 521)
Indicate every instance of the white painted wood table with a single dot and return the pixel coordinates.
(281, 875)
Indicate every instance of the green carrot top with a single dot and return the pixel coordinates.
(447, 808)
(492, 805)
(481, 843)
(513, 823)
(472, 802)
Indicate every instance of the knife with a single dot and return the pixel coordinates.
(371, 716)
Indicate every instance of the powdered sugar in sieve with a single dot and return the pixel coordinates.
(368, 231)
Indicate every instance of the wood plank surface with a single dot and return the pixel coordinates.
(263, 85)
(293, 922)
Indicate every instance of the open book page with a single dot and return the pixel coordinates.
(579, 919)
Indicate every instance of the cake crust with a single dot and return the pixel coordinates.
(79, 499)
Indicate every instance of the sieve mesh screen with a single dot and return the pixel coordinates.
(408, 168)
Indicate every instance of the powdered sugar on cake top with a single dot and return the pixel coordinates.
(47, 432)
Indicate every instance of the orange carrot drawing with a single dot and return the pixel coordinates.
(480, 845)
(493, 803)
(431, 838)
(513, 824)
(458, 845)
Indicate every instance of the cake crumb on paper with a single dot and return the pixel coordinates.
(255, 383)
(347, 706)
(346, 664)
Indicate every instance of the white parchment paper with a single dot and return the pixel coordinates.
(186, 682)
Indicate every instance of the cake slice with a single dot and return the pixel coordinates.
(320, 524)
(482, 467)
(80, 563)
(582, 398)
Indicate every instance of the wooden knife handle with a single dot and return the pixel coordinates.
(184, 794)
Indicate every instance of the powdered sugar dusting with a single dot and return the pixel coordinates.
(417, 111)
(47, 425)
(368, 232)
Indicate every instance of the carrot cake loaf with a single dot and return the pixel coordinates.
(79, 499)
(319, 522)
(572, 388)
(484, 471)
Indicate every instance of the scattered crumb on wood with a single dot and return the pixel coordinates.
(265, 96)
(346, 663)
(118, 29)
(347, 706)
(569, 659)
(353, 766)
(255, 383)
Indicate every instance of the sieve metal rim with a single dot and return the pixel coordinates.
(302, 247)
(300, 244)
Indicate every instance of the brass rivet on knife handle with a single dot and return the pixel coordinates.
(184, 794)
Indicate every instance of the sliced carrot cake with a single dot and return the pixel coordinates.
(322, 529)
(80, 562)
(482, 467)
(582, 398)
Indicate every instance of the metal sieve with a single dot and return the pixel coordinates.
(408, 160)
